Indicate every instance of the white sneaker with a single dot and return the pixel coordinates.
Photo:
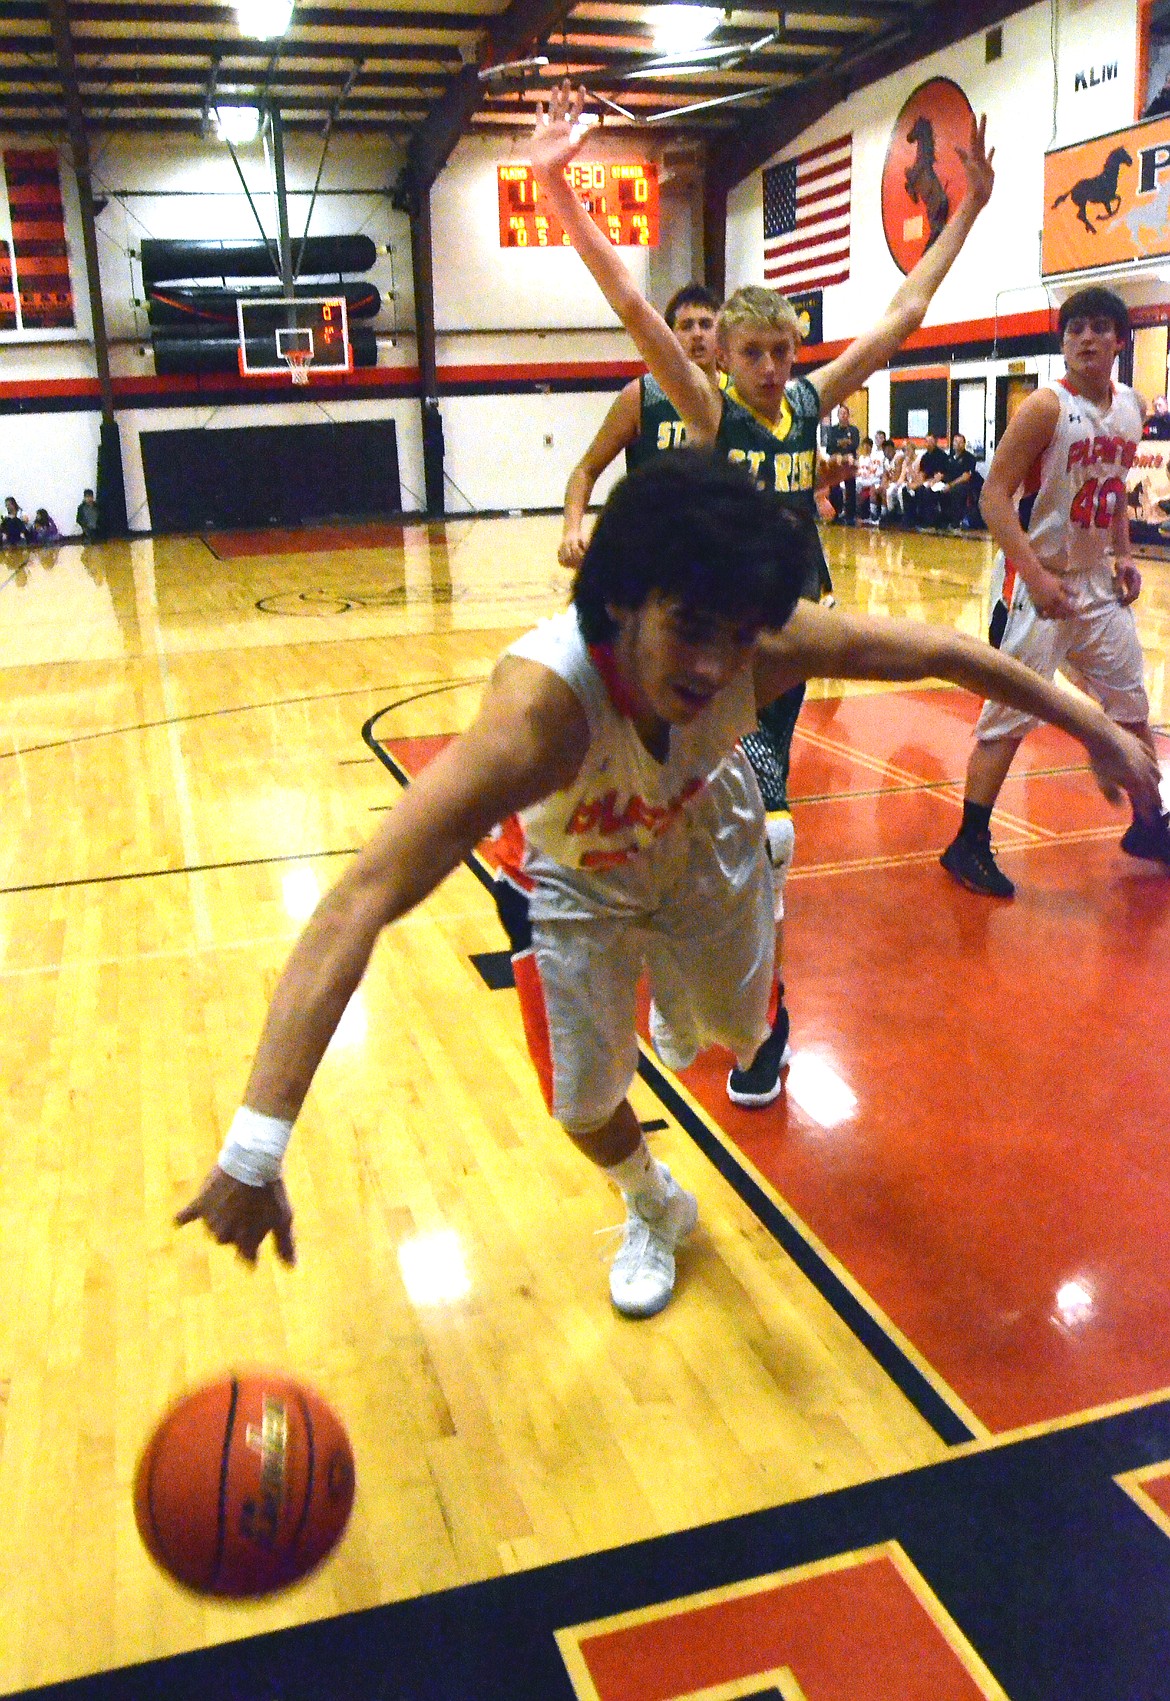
(641, 1279)
(675, 1051)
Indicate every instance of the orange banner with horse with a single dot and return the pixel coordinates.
(1107, 201)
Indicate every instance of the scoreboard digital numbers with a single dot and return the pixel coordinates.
(621, 199)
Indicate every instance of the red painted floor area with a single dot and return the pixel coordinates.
(1001, 1188)
(304, 540)
(851, 1631)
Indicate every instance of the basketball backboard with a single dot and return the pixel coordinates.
(309, 334)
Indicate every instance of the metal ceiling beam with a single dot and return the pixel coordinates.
(203, 48)
(143, 78)
(623, 59)
(224, 17)
(512, 34)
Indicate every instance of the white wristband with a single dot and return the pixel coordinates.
(254, 1146)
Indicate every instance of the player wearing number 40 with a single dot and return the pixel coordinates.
(1064, 579)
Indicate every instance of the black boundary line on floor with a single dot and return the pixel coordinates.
(902, 1371)
(186, 868)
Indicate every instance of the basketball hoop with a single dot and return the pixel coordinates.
(299, 361)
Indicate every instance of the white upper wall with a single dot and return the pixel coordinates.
(480, 286)
(1030, 108)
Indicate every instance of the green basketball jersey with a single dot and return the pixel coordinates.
(661, 426)
(783, 456)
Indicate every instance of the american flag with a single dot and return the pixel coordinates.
(806, 218)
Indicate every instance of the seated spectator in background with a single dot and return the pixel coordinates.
(88, 518)
(1157, 422)
(960, 495)
(896, 468)
(843, 438)
(871, 466)
(13, 524)
(922, 500)
(44, 528)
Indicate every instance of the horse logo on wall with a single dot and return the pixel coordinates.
(1099, 191)
(1106, 200)
(923, 178)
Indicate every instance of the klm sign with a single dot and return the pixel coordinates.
(1094, 78)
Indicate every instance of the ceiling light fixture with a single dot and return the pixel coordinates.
(677, 29)
(262, 19)
(237, 124)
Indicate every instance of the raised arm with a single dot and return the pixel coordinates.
(818, 643)
(528, 740)
(617, 431)
(907, 309)
(555, 143)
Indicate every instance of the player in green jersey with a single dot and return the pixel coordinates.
(642, 420)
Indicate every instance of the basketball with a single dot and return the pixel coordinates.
(244, 1486)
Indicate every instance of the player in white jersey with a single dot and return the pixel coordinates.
(612, 734)
(1064, 579)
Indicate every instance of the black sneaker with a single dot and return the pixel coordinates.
(1150, 839)
(760, 1084)
(970, 861)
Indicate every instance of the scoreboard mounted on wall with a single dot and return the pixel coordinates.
(620, 197)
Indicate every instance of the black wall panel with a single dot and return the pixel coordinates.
(910, 393)
(280, 475)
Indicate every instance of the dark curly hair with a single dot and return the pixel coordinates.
(1095, 303)
(696, 528)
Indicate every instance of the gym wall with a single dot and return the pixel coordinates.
(529, 355)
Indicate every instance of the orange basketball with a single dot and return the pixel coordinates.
(244, 1486)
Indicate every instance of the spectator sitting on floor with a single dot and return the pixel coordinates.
(88, 518)
(13, 524)
(894, 479)
(870, 471)
(44, 528)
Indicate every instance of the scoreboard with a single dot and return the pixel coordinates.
(621, 199)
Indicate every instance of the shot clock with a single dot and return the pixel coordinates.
(620, 197)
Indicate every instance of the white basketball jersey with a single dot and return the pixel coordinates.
(1078, 484)
(623, 804)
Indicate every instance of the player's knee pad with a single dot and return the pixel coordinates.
(781, 835)
(781, 842)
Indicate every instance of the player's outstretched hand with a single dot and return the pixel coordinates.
(242, 1216)
(834, 469)
(1121, 763)
(572, 550)
(977, 164)
(559, 132)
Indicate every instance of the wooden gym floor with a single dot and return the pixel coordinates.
(905, 1431)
